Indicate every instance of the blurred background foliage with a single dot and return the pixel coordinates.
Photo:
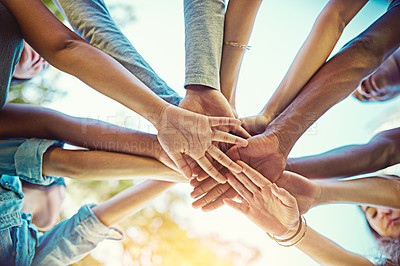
(155, 235)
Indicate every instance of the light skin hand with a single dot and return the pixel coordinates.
(270, 207)
(306, 192)
(207, 101)
(262, 153)
(183, 132)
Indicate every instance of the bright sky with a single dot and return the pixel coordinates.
(281, 28)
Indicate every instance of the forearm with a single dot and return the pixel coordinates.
(338, 78)
(382, 151)
(92, 20)
(101, 165)
(24, 121)
(324, 35)
(379, 190)
(68, 52)
(239, 21)
(326, 252)
(129, 201)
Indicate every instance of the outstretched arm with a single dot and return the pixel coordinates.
(381, 151)
(275, 210)
(324, 35)
(72, 239)
(239, 20)
(326, 252)
(100, 165)
(338, 78)
(179, 131)
(129, 201)
(372, 191)
(26, 121)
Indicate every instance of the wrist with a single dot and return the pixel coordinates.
(292, 230)
(158, 115)
(283, 145)
(293, 238)
(267, 115)
(156, 150)
(323, 194)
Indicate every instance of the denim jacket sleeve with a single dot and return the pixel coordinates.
(71, 240)
(92, 20)
(19, 159)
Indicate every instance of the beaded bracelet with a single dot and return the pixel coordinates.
(235, 44)
(282, 242)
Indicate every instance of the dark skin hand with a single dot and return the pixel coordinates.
(383, 84)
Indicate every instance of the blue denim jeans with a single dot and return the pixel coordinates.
(92, 20)
(11, 44)
(20, 242)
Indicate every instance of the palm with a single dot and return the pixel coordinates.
(190, 134)
(262, 154)
(301, 188)
(271, 214)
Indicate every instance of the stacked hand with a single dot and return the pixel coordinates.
(306, 192)
(383, 84)
(272, 208)
(255, 124)
(182, 132)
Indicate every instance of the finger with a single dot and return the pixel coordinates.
(241, 132)
(192, 164)
(254, 176)
(195, 183)
(237, 206)
(358, 96)
(225, 137)
(181, 164)
(283, 195)
(210, 169)
(229, 194)
(223, 159)
(204, 187)
(223, 121)
(242, 178)
(211, 195)
(240, 187)
(199, 173)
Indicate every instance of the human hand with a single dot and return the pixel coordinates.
(30, 63)
(163, 157)
(209, 102)
(304, 190)
(383, 84)
(272, 208)
(183, 132)
(213, 193)
(263, 153)
(255, 124)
